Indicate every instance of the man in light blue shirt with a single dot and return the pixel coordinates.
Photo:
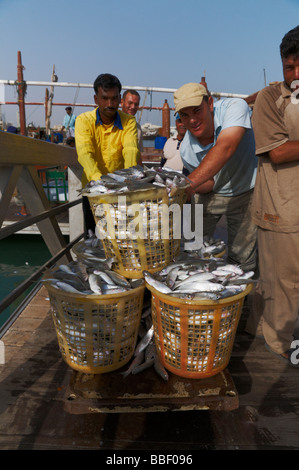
(68, 123)
(218, 151)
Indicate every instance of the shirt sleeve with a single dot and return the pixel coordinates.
(236, 114)
(85, 146)
(130, 152)
(268, 124)
(170, 150)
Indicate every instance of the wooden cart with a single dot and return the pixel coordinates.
(147, 392)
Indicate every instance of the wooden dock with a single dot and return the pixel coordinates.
(39, 412)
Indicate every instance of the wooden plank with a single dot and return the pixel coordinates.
(16, 149)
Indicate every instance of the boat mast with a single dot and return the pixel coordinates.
(54, 79)
(21, 95)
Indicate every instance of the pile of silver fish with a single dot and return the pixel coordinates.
(91, 249)
(90, 276)
(211, 247)
(194, 278)
(136, 178)
(145, 355)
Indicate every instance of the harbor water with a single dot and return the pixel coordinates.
(20, 256)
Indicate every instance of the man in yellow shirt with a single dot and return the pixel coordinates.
(106, 138)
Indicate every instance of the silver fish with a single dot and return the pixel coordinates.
(150, 351)
(67, 287)
(215, 296)
(145, 365)
(160, 369)
(200, 286)
(205, 276)
(135, 363)
(231, 291)
(103, 275)
(117, 177)
(114, 290)
(172, 276)
(94, 283)
(66, 269)
(232, 268)
(160, 286)
(144, 341)
(118, 279)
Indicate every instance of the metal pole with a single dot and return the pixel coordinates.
(125, 87)
(46, 107)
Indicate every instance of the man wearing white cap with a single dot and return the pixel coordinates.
(219, 152)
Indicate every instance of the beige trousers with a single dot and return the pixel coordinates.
(276, 300)
(241, 231)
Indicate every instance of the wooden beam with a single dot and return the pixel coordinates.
(8, 182)
(36, 202)
(17, 149)
(76, 220)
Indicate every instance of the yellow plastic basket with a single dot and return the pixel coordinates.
(150, 249)
(96, 333)
(193, 339)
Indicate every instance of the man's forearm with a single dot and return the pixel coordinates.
(217, 156)
(285, 153)
(208, 168)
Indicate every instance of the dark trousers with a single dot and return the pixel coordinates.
(89, 222)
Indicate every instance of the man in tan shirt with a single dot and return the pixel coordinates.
(275, 207)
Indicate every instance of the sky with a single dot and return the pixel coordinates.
(147, 43)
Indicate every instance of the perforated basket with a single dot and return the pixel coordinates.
(193, 339)
(96, 333)
(156, 242)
